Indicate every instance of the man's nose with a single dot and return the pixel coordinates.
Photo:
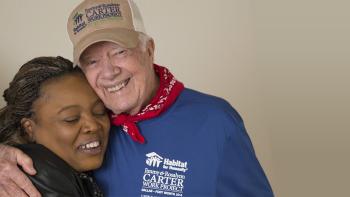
(109, 67)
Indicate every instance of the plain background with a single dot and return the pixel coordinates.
(284, 65)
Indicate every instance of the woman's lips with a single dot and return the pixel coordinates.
(92, 147)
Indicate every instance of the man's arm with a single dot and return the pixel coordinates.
(13, 182)
(240, 173)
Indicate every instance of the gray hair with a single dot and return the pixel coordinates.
(143, 38)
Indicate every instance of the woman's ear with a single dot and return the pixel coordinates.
(28, 125)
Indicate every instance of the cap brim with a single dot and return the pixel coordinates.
(123, 37)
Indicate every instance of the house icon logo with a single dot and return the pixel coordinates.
(78, 18)
(153, 159)
(78, 22)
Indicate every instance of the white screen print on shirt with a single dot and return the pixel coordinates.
(163, 176)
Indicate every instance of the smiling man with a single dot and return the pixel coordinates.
(166, 140)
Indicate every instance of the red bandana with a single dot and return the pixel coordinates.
(169, 89)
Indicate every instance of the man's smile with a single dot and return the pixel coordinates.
(119, 86)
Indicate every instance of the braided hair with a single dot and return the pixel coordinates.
(24, 90)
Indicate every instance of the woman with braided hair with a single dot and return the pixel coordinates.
(53, 115)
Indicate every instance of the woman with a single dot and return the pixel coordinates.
(54, 116)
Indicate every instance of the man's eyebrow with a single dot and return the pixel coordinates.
(84, 57)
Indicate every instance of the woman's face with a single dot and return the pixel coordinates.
(70, 120)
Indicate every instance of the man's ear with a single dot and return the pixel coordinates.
(150, 49)
(28, 125)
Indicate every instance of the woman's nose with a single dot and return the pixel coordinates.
(91, 125)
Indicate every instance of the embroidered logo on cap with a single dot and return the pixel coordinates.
(102, 11)
(79, 23)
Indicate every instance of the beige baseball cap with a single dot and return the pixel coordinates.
(92, 21)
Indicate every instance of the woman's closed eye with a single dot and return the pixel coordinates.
(99, 110)
(100, 113)
(71, 119)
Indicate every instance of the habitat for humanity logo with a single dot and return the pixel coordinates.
(154, 160)
(161, 179)
(79, 23)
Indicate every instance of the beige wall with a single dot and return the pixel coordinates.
(303, 61)
(284, 65)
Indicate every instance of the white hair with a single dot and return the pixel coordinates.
(143, 38)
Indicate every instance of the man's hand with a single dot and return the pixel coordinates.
(13, 182)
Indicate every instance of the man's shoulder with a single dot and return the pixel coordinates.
(199, 102)
(197, 99)
(201, 97)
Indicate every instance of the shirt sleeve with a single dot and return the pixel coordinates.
(240, 173)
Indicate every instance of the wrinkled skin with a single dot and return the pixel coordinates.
(10, 174)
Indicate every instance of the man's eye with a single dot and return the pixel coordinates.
(90, 62)
(120, 53)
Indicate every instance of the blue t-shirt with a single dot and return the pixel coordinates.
(197, 148)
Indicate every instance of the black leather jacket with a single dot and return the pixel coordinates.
(55, 177)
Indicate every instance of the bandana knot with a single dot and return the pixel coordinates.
(169, 89)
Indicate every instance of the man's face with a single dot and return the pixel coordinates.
(123, 78)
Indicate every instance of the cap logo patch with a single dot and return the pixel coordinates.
(79, 23)
(102, 11)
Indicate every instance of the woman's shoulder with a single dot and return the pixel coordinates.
(54, 176)
(44, 158)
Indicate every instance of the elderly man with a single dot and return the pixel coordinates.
(167, 140)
